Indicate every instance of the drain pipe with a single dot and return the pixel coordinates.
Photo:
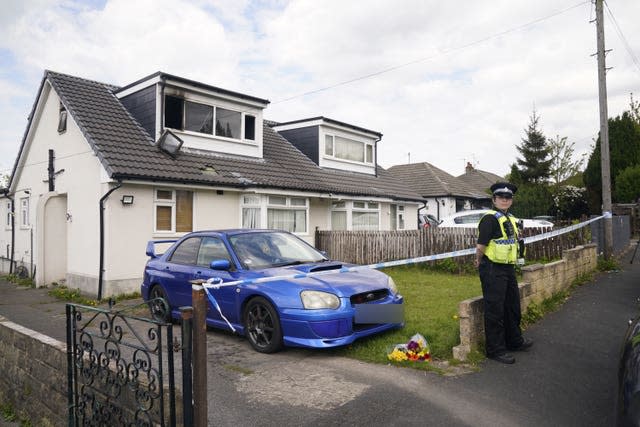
(100, 273)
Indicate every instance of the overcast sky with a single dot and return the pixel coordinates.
(446, 82)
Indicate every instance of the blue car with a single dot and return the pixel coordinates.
(329, 309)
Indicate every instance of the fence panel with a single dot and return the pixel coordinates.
(369, 247)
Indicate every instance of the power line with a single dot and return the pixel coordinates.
(623, 39)
(444, 52)
(46, 161)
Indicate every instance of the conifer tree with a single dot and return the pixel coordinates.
(535, 165)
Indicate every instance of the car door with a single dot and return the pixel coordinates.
(180, 269)
(213, 248)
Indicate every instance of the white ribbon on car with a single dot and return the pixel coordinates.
(213, 301)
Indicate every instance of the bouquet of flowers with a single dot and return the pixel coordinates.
(416, 349)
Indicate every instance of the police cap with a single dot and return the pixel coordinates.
(504, 189)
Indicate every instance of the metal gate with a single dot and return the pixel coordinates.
(120, 367)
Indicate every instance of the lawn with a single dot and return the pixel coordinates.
(431, 306)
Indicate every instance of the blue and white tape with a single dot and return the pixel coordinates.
(214, 282)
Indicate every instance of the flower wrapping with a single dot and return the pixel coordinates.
(417, 349)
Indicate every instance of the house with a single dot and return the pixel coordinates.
(445, 194)
(480, 181)
(103, 169)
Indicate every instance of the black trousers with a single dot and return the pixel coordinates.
(501, 307)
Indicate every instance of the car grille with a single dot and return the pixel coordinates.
(370, 296)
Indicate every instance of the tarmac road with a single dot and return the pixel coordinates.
(569, 377)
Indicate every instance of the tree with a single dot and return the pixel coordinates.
(4, 180)
(624, 151)
(532, 200)
(563, 166)
(628, 185)
(535, 164)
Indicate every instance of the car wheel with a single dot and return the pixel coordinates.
(159, 304)
(262, 326)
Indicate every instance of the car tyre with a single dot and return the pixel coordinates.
(262, 326)
(159, 304)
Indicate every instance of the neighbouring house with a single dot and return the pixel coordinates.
(480, 181)
(103, 169)
(445, 194)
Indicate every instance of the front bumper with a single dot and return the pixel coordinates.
(330, 328)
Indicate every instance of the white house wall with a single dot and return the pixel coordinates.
(129, 228)
(80, 182)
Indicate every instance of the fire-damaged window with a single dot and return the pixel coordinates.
(207, 119)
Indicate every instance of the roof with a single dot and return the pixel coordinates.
(166, 76)
(128, 152)
(429, 181)
(331, 121)
(479, 180)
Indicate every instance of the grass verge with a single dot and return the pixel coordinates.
(431, 309)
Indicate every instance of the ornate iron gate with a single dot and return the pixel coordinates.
(120, 368)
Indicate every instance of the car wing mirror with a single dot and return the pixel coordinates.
(220, 264)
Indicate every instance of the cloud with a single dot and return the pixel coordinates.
(448, 82)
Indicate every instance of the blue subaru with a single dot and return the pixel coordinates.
(271, 287)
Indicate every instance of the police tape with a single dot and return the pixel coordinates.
(216, 283)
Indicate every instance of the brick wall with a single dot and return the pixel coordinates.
(539, 282)
(33, 374)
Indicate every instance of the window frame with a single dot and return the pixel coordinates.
(8, 215)
(24, 212)
(251, 139)
(367, 148)
(173, 204)
(269, 202)
(357, 206)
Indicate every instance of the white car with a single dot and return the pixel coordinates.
(470, 219)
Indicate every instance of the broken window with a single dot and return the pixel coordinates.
(173, 112)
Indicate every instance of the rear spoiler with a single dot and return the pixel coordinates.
(151, 247)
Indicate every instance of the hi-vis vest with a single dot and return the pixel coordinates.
(505, 249)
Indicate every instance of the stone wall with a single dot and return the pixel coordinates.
(539, 282)
(33, 374)
(33, 378)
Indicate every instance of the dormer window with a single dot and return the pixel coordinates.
(343, 148)
(200, 118)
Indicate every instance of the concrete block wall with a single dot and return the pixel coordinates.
(539, 282)
(33, 374)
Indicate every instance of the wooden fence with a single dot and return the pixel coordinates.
(369, 247)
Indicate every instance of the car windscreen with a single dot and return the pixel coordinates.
(272, 249)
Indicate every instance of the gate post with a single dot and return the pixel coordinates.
(199, 356)
(187, 353)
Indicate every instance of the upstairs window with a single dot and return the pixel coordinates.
(207, 119)
(342, 148)
(62, 119)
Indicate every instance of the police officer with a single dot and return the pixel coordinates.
(497, 251)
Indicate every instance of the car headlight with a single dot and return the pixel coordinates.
(313, 300)
(392, 285)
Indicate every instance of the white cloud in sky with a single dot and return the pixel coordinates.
(464, 76)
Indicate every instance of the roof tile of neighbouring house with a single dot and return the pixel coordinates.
(429, 181)
(479, 180)
(127, 151)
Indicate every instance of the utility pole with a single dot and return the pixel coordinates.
(604, 134)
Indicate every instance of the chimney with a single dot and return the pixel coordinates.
(469, 168)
